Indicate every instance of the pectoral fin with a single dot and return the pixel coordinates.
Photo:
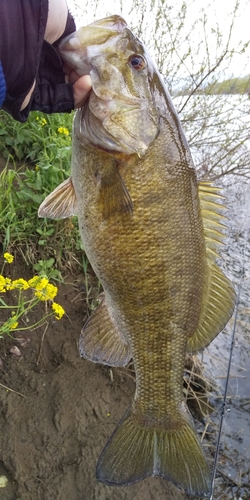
(218, 306)
(114, 197)
(101, 342)
(61, 203)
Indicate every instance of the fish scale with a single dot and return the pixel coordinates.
(151, 234)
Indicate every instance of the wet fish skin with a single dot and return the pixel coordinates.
(139, 206)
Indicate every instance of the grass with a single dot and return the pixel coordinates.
(37, 157)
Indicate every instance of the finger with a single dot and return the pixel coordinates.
(81, 89)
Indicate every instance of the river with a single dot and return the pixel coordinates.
(233, 468)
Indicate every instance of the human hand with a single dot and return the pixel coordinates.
(81, 87)
(55, 27)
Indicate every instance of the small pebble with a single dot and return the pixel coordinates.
(3, 481)
(15, 351)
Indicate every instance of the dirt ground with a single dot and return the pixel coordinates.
(57, 412)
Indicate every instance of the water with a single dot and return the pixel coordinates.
(233, 479)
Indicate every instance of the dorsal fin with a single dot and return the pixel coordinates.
(219, 295)
(211, 209)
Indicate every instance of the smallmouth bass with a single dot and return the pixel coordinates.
(150, 233)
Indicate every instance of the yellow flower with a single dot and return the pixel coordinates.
(43, 289)
(11, 323)
(8, 284)
(2, 283)
(33, 281)
(8, 257)
(63, 130)
(43, 122)
(42, 283)
(58, 310)
(38, 282)
(21, 284)
(47, 293)
(51, 291)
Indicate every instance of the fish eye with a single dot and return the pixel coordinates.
(137, 62)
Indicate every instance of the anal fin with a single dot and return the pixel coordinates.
(217, 309)
(101, 342)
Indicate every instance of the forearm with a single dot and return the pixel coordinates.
(32, 68)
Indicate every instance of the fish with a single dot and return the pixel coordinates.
(151, 232)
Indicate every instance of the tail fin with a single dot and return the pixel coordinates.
(134, 452)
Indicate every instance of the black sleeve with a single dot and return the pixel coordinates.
(26, 57)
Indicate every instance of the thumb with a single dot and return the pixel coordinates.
(81, 90)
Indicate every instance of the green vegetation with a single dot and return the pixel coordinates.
(35, 158)
(239, 85)
(37, 155)
(230, 86)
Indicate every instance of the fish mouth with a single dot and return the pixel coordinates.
(115, 23)
(79, 47)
